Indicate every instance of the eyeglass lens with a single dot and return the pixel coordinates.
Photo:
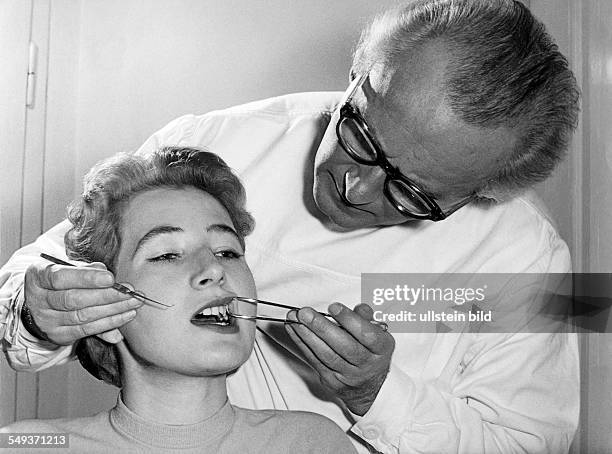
(359, 146)
(356, 141)
(404, 196)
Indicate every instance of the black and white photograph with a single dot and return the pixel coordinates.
(284, 226)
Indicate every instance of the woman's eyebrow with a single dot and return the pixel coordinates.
(224, 228)
(155, 231)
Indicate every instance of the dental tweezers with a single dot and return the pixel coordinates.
(383, 325)
(267, 303)
(119, 287)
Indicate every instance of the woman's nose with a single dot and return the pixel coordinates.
(209, 271)
(364, 184)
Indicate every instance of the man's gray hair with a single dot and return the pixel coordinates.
(503, 70)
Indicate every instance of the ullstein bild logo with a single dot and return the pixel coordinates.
(493, 303)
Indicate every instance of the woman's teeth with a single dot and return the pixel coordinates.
(216, 315)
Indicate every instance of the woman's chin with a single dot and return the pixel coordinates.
(209, 363)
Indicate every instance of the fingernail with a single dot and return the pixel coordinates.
(97, 265)
(104, 279)
(130, 315)
(292, 315)
(135, 302)
(335, 308)
(306, 315)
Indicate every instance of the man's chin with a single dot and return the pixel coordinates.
(343, 223)
(332, 225)
(337, 223)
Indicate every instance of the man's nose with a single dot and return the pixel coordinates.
(364, 184)
(209, 271)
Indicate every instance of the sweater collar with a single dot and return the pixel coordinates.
(160, 435)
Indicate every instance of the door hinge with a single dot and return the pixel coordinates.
(31, 82)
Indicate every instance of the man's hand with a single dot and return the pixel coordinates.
(352, 359)
(68, 303)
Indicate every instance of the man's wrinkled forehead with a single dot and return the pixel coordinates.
(410, 115)
(404, 102)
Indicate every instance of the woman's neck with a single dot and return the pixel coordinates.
(170, 398)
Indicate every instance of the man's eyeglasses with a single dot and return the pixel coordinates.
(358, 142)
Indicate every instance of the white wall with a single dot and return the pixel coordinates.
(560, 191)
(13, 66)
(581, 192)
(140, 63)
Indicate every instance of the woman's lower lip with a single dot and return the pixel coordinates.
(230, 328)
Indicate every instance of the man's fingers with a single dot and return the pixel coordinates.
(352, 370)
(74, 299)
(60, 277)
(96, 265)
(321, 350)
(308, 354)
(364, 311)
(70, 333)
(93, 313)
(330, 342)
(68, 303)
(326, 374)
(304, 348)
(371, 336)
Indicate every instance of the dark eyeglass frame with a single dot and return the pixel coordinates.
(349, 113)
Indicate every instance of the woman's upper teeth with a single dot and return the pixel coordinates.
(215, 310)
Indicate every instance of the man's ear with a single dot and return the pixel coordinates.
(112, 337)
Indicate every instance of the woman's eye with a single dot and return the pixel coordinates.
(164, 257)
(229, 254)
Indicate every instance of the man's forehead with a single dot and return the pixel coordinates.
(413, 121)
(405, 104)
(413, 85)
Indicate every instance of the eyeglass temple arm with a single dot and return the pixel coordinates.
(459, 204)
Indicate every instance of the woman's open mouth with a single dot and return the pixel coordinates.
(216, 313)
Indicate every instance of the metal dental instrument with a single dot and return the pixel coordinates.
(383, 325)
(269, 303)
(260, 317)
(119, 287)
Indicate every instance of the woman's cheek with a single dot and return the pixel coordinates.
(143, 325)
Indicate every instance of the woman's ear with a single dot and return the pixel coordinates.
(112, 337)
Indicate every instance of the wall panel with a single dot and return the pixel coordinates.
(14, 39)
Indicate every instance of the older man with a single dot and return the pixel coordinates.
(450, 103)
